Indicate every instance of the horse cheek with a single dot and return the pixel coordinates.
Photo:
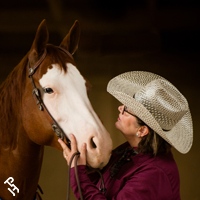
(35, 124)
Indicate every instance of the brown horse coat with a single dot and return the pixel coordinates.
(22, 131)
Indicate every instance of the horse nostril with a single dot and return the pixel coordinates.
(93, 145)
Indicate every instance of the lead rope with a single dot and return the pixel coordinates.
(102, 189)
(74, 156)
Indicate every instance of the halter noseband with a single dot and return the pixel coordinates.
(36, 93)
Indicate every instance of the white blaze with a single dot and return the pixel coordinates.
(71, 108)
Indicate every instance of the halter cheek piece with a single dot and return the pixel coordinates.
(37, 95)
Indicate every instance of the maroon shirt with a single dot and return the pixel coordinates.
(143, 177)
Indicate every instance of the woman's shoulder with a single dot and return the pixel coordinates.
(160, 165)
(160, 160)
(167, 163)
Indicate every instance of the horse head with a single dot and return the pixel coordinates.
(63, 91)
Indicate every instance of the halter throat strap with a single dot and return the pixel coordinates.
(39, 101)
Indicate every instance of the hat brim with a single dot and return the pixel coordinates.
(180, 136)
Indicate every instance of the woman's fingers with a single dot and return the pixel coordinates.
(62, 144)
(66, 150)
(67, 153)
(73, 143)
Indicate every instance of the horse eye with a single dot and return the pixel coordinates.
(48, 90)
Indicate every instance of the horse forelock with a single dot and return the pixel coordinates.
(56, 56)
(11, 91)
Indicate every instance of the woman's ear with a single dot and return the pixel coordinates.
(143, 130)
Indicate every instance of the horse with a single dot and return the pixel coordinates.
(43, 98)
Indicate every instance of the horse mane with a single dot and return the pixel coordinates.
(11, 91)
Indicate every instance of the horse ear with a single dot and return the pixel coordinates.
(71, 40)
(39, 43)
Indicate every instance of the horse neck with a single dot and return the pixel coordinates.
(11, 91)
(23, 163)
(18, 152)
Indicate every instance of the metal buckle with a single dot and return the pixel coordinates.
(31, 70)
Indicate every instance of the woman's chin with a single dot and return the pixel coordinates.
(117, 125)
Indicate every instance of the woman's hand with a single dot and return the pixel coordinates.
(67, 153)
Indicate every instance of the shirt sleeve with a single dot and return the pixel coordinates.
(88, 189)
(149, 183)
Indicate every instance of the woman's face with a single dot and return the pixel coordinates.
(126, 122)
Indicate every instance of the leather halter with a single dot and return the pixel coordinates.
(37, 95)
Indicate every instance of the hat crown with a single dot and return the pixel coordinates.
(163, 101)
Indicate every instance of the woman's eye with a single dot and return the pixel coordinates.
(48, 90)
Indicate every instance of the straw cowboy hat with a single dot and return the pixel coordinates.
(158, 104)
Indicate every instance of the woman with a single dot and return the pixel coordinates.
(153, 118)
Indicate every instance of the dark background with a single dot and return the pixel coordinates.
(160, 36)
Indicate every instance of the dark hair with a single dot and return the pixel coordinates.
(152, 142)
